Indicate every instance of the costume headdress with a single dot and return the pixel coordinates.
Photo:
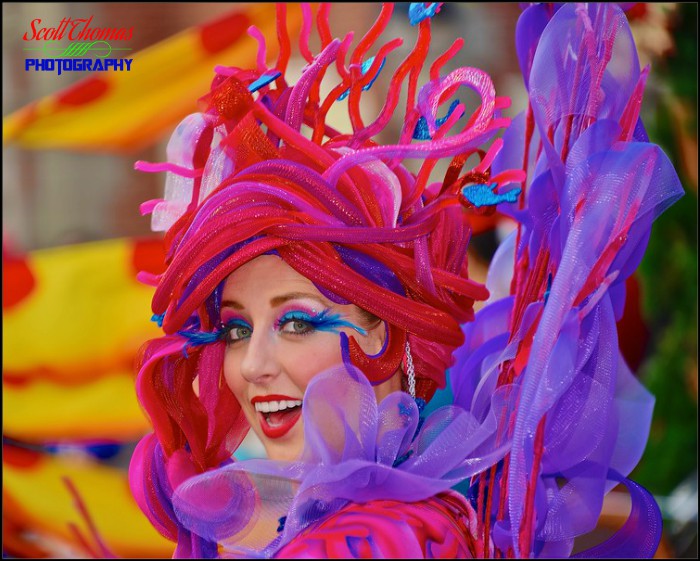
(550, 416)
(261, 169)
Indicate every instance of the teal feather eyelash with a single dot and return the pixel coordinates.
(324, 321)
(197, 338)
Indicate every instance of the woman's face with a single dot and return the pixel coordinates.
(283, 332)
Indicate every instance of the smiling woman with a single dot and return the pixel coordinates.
(317, 291)
(280, 333)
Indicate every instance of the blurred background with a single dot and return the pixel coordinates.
(73, 241)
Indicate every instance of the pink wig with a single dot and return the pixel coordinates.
(260, 170)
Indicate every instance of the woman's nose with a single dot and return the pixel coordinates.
(259, 364)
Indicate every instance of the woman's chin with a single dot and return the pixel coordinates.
(285, 448)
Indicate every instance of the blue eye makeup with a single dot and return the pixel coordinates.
(234, 330)
(295, 321)
(303, 322)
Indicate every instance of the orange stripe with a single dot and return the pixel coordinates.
(72, 374)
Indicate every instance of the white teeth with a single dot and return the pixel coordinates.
(272, 406)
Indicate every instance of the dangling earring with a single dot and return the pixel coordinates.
(410, 372)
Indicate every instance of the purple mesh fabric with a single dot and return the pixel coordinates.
(644, 514)
(593, 193)
(355, 451)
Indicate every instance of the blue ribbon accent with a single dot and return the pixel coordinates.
(264, 80)
(549, 287)
(421, 132)
(404, 411)
(483, 195)
(158, 318)
(418, 11)
(421, 403)
(365, 68)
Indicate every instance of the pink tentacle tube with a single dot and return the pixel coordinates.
(509, 176)
(335, 93)
(418, 56)
(356, 92)
(306, 19)
(430, 95)
(295, 108)
(444, 148)
(306, 184)
(256, 34)
(491, 153)
(147, 206)
(291, 136)
(282, 38)
(342, 55)
(148, 279)
(373, 33)
(152, 167)
(324, 31)
(444, 58)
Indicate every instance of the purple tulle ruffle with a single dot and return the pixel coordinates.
(355, 451)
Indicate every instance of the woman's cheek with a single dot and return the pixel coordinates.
(232, 373)
(318, 352)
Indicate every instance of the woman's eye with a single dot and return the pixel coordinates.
(297, 327)
(238, 332)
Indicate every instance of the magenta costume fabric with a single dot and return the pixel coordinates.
(438, 528)
(547, 417)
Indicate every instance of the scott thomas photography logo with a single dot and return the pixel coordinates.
(76, 45)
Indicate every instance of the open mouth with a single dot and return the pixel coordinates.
(277, 414)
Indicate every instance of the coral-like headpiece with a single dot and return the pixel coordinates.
(261, 169)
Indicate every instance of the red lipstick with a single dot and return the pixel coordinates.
(277, 413)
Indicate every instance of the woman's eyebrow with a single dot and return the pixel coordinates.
(277, 300)
(231, 304)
